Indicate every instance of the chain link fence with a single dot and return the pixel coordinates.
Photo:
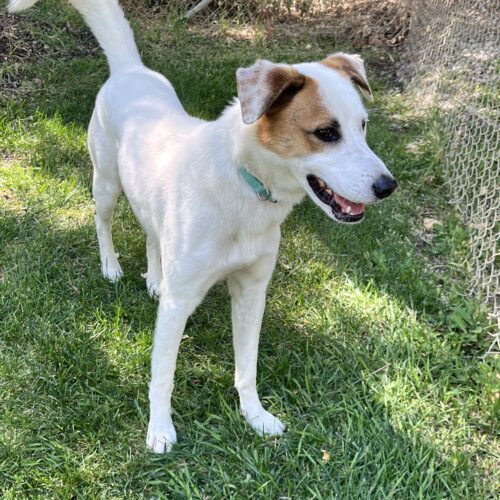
(450, 55)
(454, 48)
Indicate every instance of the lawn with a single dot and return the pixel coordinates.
(371, 349)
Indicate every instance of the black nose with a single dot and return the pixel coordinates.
(384, 186)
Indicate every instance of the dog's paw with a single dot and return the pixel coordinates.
(153, 288)
(161, 439)
(153, 285)
(265, 424)
(112, 273)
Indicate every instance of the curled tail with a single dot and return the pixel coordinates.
(108, 23)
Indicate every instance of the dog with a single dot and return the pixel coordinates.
(211, 196)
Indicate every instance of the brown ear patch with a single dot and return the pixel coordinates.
(283, 84)
(286, 127)
(260, 85)
(351, 67)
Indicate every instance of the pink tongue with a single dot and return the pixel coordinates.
(356, 208)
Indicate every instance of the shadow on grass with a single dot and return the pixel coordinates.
(77, 366)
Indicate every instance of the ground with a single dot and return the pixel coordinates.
(371, 349)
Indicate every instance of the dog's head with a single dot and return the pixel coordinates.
(311, 115)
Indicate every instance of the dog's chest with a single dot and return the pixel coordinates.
(253, 233)
(239, 248)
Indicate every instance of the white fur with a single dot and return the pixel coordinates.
(203, 222)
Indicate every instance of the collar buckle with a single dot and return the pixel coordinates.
(257, 186)
(264, 198)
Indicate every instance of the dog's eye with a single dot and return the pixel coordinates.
(363, 124)
(328, 134)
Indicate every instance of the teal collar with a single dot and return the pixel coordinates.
(262, 192)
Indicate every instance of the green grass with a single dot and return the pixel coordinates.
(370, 347)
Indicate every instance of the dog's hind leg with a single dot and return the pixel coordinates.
(248, 295)
(106, 189)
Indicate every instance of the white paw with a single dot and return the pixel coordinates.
(153, 285)
(112, 273)
(161, 439)
(154, 290)
(264, 423)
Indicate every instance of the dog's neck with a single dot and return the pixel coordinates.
(246, 150)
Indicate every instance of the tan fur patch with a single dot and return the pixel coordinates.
(286, 127)
(347, 68)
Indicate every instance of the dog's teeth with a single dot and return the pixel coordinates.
(329, 192)
(321, 184)
(348, 210)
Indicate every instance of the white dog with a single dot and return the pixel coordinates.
(211, 195)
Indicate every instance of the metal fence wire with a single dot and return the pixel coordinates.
(450, 51)
(454, 46)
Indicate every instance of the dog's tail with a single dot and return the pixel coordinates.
(108, 23)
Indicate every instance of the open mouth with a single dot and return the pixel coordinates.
(343, 209)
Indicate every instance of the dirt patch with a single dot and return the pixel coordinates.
(14, 45)
(362, 23)
(22, 42)
(379, 26)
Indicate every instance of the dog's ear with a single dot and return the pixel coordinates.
(353, 67)
(265, 85)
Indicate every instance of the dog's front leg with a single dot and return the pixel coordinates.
(173, 313)
(248, 295)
